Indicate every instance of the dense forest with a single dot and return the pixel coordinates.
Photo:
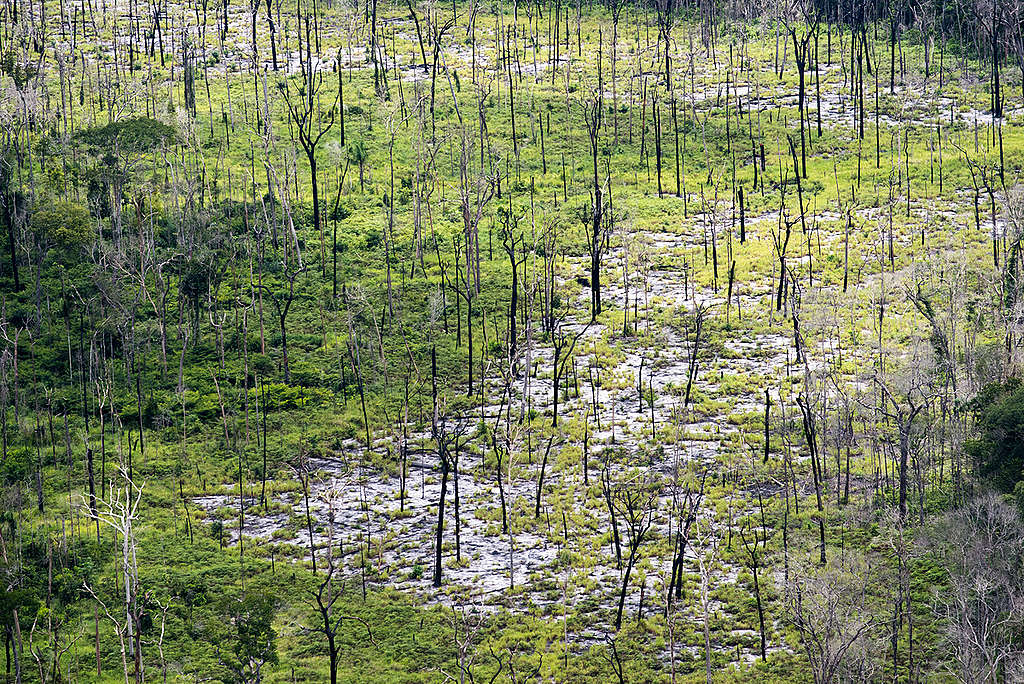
(608, 341)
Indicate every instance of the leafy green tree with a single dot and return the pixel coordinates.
(118, 148)
(15, 606)
(998, 451)
(63, 227)
(359, 155)
(244, 637)
(129, 136)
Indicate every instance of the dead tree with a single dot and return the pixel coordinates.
(119, 511)
(592, 219)
(447, 435)
(329, 587)
(756, 545)
(303, 108)
(666, 17)
(635, 502)
(982, 548)
(464, 634)
(438, 30)
(700, 314)
(563, 342)
(513, 243)
(829, 608)
(475, 192)
(282, 302)
(811, 438)
(801, 54)
(903, 405)
(688, 511)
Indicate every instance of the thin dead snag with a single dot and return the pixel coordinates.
(329, 588)
(592, 217)
(448, 436)
(119, 511)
